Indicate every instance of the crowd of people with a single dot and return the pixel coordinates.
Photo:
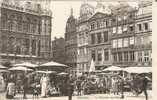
(48, 85)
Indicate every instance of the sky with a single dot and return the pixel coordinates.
(61, 11)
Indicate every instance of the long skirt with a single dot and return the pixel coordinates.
(10, 90)
(44, 89)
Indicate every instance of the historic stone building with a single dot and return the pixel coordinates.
(143, 35)
(25, 31)
(86, 11)
(71, 44)
(100, 36)
(123, 36)
(131, 36)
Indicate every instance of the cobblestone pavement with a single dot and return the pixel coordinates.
(128, 96)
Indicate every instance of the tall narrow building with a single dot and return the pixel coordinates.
(71, 43)
(86, 11)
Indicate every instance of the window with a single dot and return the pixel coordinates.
(119, 43)
(93, 55)
(99, 55)
(105, 22)
(19, 26)
(125, 56)
(139, 27)
(146, 26)
(146, 56)
(132, 56)
(98, 24)
(125, 42)
(132, 40)
(33, 47)
(119, 30)
(10, 25)
(125, 28)
(105, 36)
(114, 30)
(120, 56)
(131, 28)
(114, 44)
(4, 23)
(115, 57)
(125, 17)
(106, 55)
(140, 56)
(92, 26)
(99, 38)
(93, 38)
(119, 18)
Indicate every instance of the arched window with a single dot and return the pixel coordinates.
(4, 44)
(11, 45)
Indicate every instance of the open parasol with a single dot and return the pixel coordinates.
(26, 64)
(113, 68)
(63, 73)
(138, 70)
(20, 68)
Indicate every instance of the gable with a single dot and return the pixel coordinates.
(98, 15)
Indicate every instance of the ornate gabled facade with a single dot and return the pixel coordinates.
(71, 43)
(86, 11)
(143, 35)
(25, 32)
(131, 37)
(100, 39)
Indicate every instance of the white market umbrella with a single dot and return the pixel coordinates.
(46, 72)
(1, 71)
(138, 70)
(20, 68)
(53, 64)
(26, 64)
(92, 66)
(2, 67)
(113, 68)
(63, 73)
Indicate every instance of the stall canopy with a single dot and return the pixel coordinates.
(52, 66)
(52, 63)
(113, 68)
(26, 64)
(63, 73)
(138, 70)
(2, 67)
(20, 68)
(46, 72)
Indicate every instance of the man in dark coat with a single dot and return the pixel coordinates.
(70, 84)
(144, 86)
(25, 86)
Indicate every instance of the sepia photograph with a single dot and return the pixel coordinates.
(76, 50)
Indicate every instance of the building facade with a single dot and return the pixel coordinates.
(58, 50)
(25, 31)
(119, 35)
(131, 36)
(86, 11)
(143, 35)
(71, 44)
(100, 39)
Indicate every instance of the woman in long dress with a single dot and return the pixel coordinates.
(11, 88)
(44, 85)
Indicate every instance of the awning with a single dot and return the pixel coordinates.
(26, 64)
(113, 68)
(138, 69)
